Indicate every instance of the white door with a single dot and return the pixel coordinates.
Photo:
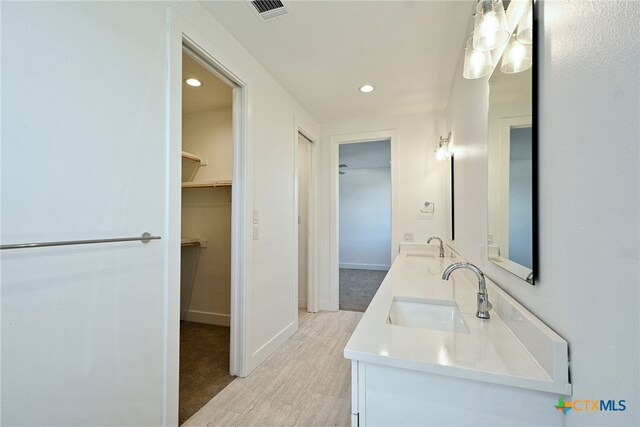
(83, 157)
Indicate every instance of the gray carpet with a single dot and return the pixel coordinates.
(357, 288)
(204, 365)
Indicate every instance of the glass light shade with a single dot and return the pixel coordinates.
(525, 27)
(517, 57)
(490, 28)
(476, 63)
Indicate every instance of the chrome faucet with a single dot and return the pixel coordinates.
(483, 298)
(441, 245)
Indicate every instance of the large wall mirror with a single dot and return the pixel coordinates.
(512, 239)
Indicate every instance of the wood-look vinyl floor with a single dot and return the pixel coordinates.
(306, 382)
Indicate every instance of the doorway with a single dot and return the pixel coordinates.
(306, 224)
(364, 221)
(206, 233)
(386, 142)
(304, 198)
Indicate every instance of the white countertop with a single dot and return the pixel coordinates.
(491, 352)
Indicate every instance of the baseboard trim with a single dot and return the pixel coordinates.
(272, 345)
(326, 306)
(379, 267)
(207, 317)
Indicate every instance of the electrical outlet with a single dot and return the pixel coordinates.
(255, 216)
(408, 237)
(490, 238)
(256, 236)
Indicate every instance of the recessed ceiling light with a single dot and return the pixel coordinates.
(193, 82)
(367, 88)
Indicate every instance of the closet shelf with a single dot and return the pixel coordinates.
(190, 165)
(207, 184)
(192, 157)
(189, 242)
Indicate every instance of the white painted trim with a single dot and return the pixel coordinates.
(334, 256)
(377, 267)
(273, 344)
(180, 32)
(208, 317)
(312, 303)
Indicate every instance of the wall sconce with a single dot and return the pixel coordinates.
(490, 29)
(477, 63)
(442, 147)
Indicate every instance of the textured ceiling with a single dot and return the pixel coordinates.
(322, 51)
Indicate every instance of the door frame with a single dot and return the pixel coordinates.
(180, 33)
(312, 240)
(334, 229)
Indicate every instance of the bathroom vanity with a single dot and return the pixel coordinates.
(420, 356)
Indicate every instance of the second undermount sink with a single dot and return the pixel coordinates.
(422, 255)
(421, 313)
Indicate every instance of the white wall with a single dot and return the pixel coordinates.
(365, 219)
(587, 289)
(85, 91)
(206, 215)
(208, 134)
(419, 179)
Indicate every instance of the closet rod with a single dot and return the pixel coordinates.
(144, 238)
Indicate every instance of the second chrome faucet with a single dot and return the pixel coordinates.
(441, 245)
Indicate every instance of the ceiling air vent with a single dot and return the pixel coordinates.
(269, 9)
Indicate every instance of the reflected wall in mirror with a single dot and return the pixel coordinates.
(511, 153)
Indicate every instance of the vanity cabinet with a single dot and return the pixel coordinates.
(389, 396)
(414, 371)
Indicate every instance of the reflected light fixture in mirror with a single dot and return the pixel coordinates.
(525, 26)
(490, 29)
(477, 63)
(517, 57)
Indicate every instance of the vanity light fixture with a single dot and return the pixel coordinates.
(525, 26)
(517, 57)
(442, 147)
(366, 88)
(477, 63)
(490, 28)
(193, 82)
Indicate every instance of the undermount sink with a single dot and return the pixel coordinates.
(437, 315)
(421, 255)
